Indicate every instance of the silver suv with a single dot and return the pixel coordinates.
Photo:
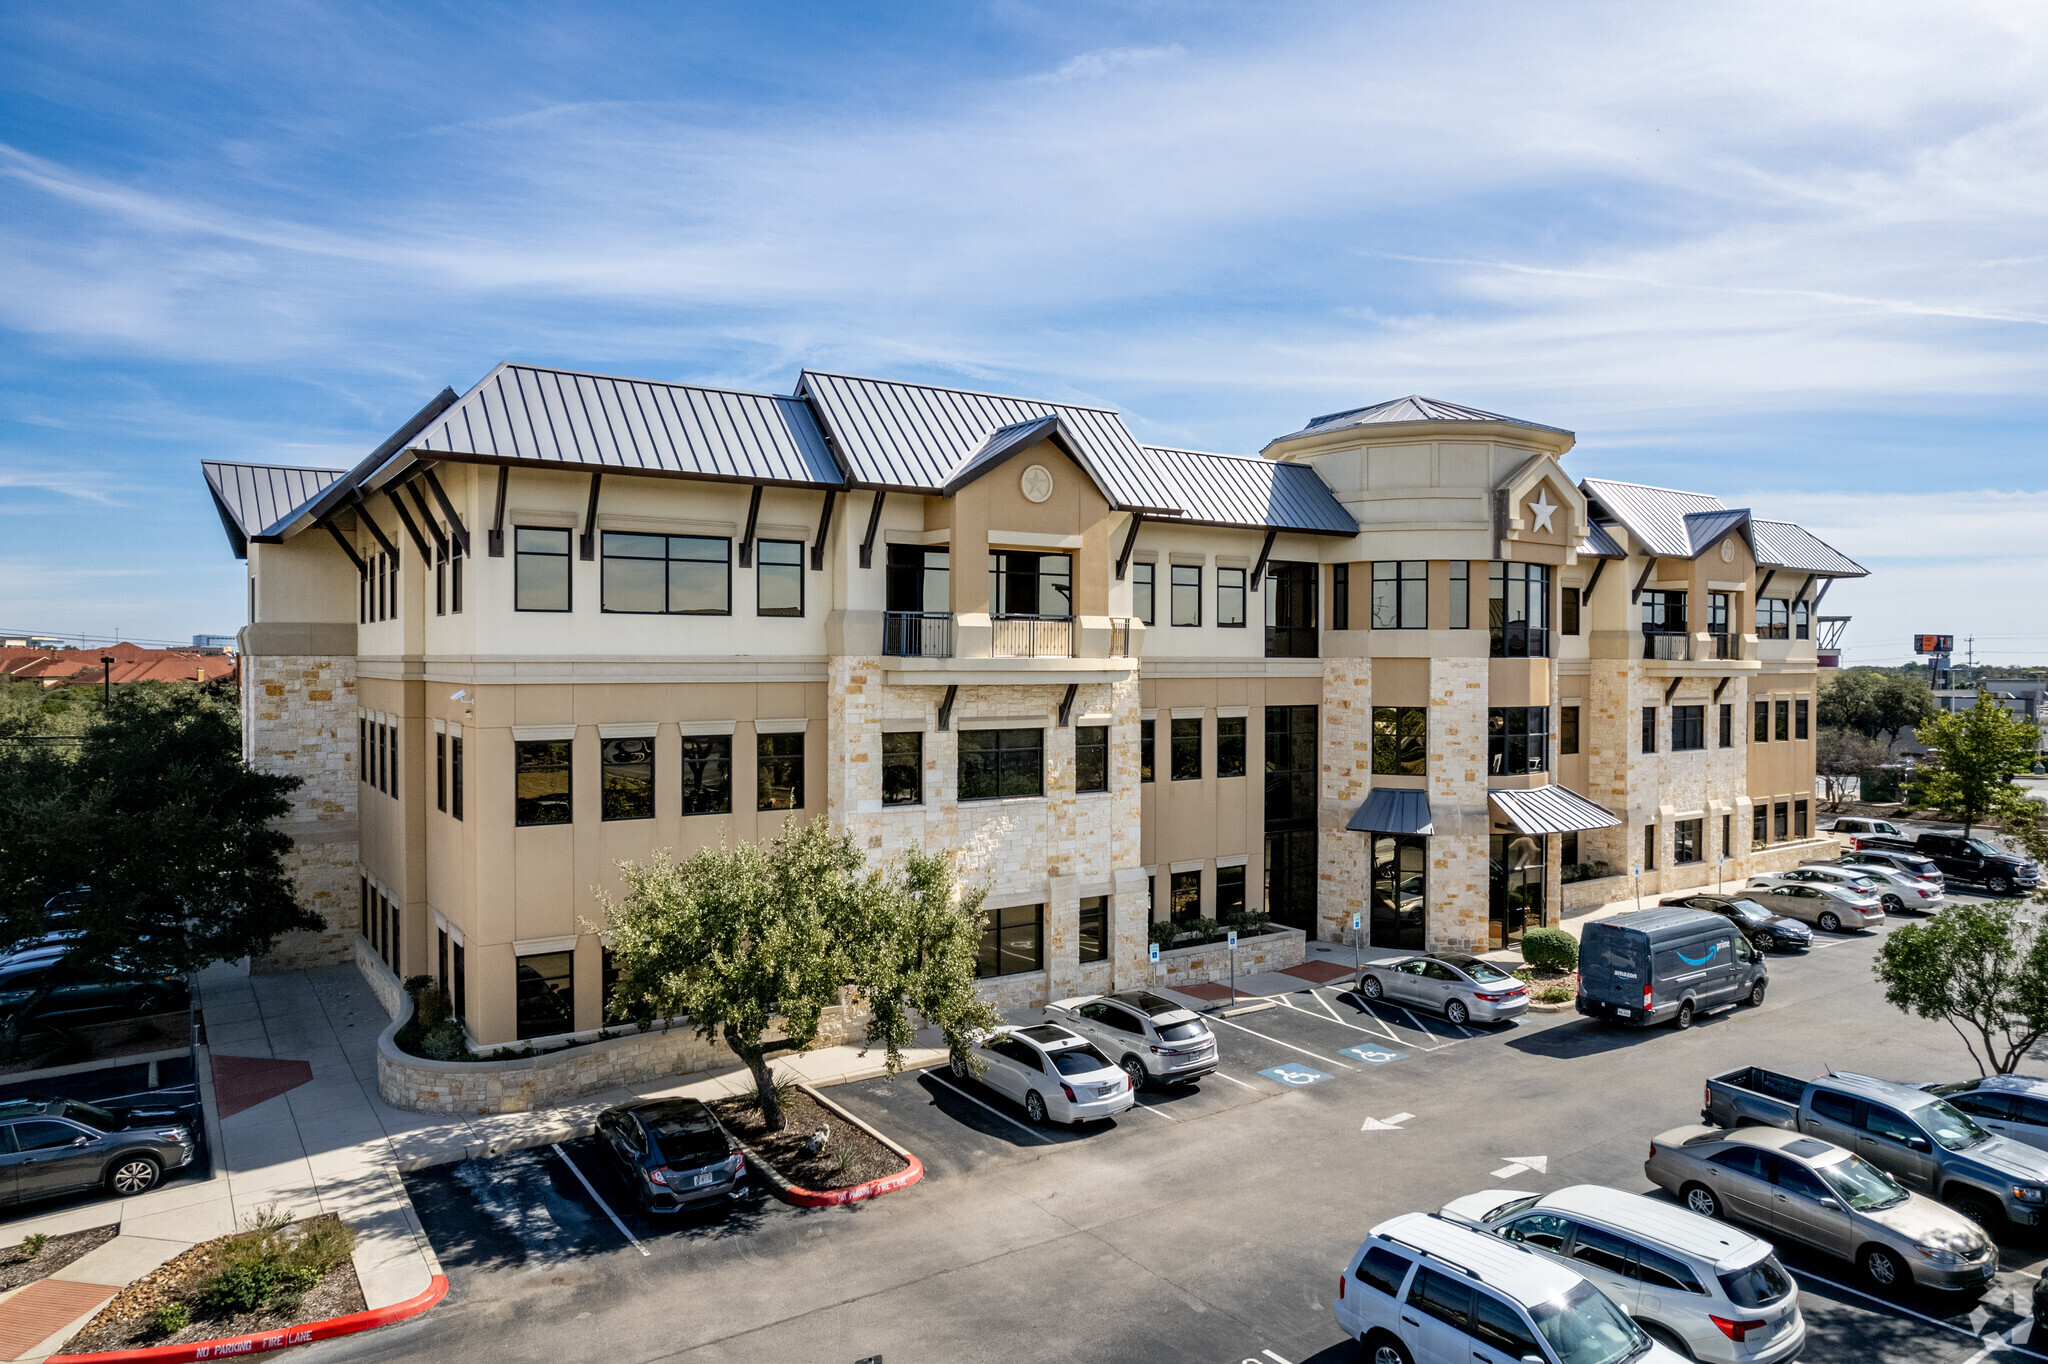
(1150, 1036)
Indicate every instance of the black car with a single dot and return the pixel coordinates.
(673, 1154)
(1767, 932)
(59, 1146)
(82, 996)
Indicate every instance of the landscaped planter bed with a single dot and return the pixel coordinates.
(851, 1156)
(18, 1267)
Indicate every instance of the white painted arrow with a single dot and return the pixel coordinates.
(1522, 1165)
(1978, 1316)
(1392, 1124)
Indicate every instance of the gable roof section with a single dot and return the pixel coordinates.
(1705, 529)
(917, 438)
(251, 498)
(1680, 525)
(1413, 408)
(1654, 516)
(1600, 544)
(1232, 490)
(1781, 544)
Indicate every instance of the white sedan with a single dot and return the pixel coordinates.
(1895, 889)
(1057, 1075)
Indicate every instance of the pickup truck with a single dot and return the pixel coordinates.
(1970, 860)
(1919, 1139)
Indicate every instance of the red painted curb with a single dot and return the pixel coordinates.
(812, 1198)
(264, 1341)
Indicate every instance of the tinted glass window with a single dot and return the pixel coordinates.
(686, 1139)
(628, 779)
(540, 569)
(1796, 1178)
(541, 781)
(1497, 1324)
(780, 578)
(1743, 1160)
(902, 769)
(1758, 1285)
(1079, 1061)
(2032, 1111)
(779, 772)
(1602, 1251)
(91, 1115)
(707, 774)
(1658, 1270)
(1383, 1269)
(998, 763)
(45, 1135)
(1094, 929)
(1443, 1297)
(1182, 1032)
(1091, 757)
(1835, 1107)
(1979, 1105)
(1883, 1122)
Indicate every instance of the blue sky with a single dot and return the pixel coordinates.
(1796, 256)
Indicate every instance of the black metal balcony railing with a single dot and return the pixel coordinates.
(917, 634)
(1031, 637)
(1290, 641)
(1119, 636)
(1667, 645)
(1726, 646)
(1518, 639)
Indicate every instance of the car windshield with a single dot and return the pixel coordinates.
(685, 1139)
(1484, 972)
(92, 1115)
(1584, 1327)
(1757, 1285)
(1183, 1032)
(1950, 1126)
(1860, 1184)
(1079, 1060)
(1511, 1207)
(1747, 912)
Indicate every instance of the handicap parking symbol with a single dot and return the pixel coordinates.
(1297, 1077)
(1372, 1056)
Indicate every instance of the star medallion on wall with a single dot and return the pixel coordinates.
(1543, 508)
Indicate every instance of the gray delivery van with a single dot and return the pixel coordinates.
(1665, 965)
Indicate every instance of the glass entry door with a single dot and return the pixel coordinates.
(1400, 881)
(1516, 886)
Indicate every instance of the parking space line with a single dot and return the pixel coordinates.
(1153, 1111)
(1270, 1355)
(1239, 1083)
(596, 1198)
(1365, 1011)
(1883, 1302)
(1030, 1132)
(1289, 1045)
(1338, 1021)
(1416, 1023)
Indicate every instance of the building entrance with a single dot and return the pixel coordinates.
(1400, 881)
(1515, 883)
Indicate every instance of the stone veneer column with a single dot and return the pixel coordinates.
(1344, 876)
(1458, 873)
(853, 753)
(1611, 730)
(299, 720)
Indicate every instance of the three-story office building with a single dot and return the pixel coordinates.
(1401, 667)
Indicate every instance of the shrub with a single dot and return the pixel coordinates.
(1554, 994)
(170, 1319)
(272, 1264)
(239, 1289)
(444, 1042)
(33, 1243)
(1164, 933)
(1550, 949)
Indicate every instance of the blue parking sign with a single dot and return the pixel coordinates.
(1295, 1077)
(1372, 1056)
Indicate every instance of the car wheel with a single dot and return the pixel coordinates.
(1668, 1339)
(1882, 1267)
(1893, 904)
(1684, 1019)
(1700, 1199)
(1371, 988)
(146, 1001)
(1134, 1068)
(1457, 1012)
(1382, 1348)
(1034, 1107)
(959, 1065)
(133, 1175)
(1980, 1210)
(1999, 886)
(1756, 994)
(1830, 922)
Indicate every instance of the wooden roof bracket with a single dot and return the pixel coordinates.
(945, 706)
(1586, 593)
(455, 526)
(1265, 551)
(747, 540)
(867, 546)
(363, 515)
(824, 524)
(1067, 703)
(1721, 686)
(1636, 593)
(1820, 595)
(1123, 560)
(362, 569)
(405, 519)
(427, 519)
(495, 541)
(586, 549)
(1672, 690)
(1804, 588)
(1765, 583)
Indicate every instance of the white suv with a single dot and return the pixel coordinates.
(1687, 1280)
(1423, 1290)
(1149, 1035)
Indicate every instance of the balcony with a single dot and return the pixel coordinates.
(1519, 639)
(917, 634)
(1291, 641)
(1031, 636)
(1667, 646)
(1726, 646)
(1119, 636)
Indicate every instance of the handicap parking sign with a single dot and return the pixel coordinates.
(1296, 1077)
(1372, 1056)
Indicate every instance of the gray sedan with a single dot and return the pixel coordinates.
(1460, 987)
(1804, 1189)
(1895, 888)
(1826, 906)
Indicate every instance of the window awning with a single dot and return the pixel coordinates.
(1393, 812)
(1550, 810)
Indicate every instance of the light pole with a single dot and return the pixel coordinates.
(106, 681)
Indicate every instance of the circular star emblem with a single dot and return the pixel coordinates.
(1037, 483)
(1542, 509)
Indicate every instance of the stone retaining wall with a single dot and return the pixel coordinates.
(1607, 890)
(1211, 962)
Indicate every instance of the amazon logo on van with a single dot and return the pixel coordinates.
(1698, 961)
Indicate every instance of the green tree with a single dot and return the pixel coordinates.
(1978, 752)
(916, 956)
(1847, 701)
(1900, 703)
(1982, 969)
(1841, 756)
(154, 812)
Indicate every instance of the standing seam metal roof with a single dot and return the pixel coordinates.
(1654, 516)
(1231, 490)
(1678, 525)
(252, 498)
(556, 416)
(1782, 544)
(1413, 408)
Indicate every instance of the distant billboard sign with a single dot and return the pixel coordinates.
(1934, 644)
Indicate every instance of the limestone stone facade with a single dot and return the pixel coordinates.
(299, 721)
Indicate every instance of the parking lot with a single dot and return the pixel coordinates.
(1209, 1223)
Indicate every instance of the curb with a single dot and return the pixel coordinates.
(264, 1341)
(910, 1174)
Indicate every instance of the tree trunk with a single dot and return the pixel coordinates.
(10, 1035)
(749, 1050)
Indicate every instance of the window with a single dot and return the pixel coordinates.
(1230, 746)
(1461, 595)
(364, 881)
(441, 959)
(1384, 1270)
(1649, 847)
(903, 769)
(1663, 613)
(1340, 596)
(1230, 597)
(1780, 822)
(455, 584)
(547, 994)
(1717, 613)
(1400, 594)
(1568, 611)
(1518, 610)
(779, 578)
(1442, 1296)
(391, 737)
(1835, 1107)
(455, 776)
(1292, 765)
(540, 568)
(1517, 740)
(1727, 725)
(1184, 896)
(1763, 722)
(1567, 730)
(628, 779)
(461, 998)
(1011, 937)
(1772, 618)
(1094, 934)
(1760, 825)
(441, 585)
(1291, 621)
(1144, 590)
(1568, 847)
(1187, 594)
(1144, 750)
(1400, 741)
(1685, 841)
(667, 574)
(1187, 750)
(1783, 729)
(779, 771)
(1659, 1270)
(440, 771)
(1091, 758)
(997, 764)
(362, 749)
(540, 781)
(1649, 729)
(1799, 819)
(1229, 891)
(1688, 728)
(707, 774)
(1799, 717)
(1602, 1250)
